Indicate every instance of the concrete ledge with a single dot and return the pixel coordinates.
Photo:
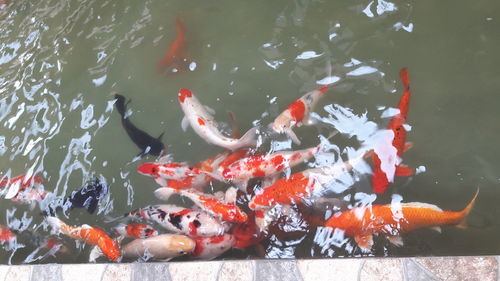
(368, 269)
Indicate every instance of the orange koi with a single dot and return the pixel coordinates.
(90, 235)
(174, 54)
(391, 220)
(380, 179)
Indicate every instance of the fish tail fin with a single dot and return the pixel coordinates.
(56, 224)
(163, 193)
(121, 104)
(179, 25)
(403, 73)
(234, 124)
(249, 138)
(465, 212)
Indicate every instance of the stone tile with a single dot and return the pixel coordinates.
(415, 272)
(19, 273)
(82, 272)
(117, 272)
(194, 271)
(150, 272)
(46, 272)
(381, 270)
(462, 268)
(329, 269)
(236, 271)
(3, 271)
(277, 271)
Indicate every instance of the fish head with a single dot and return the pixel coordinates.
(184, 94)
(282, 123)
(181, 244)
(149, 169)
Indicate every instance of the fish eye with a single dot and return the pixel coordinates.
(153, 170)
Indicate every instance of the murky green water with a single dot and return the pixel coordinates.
(61, 60)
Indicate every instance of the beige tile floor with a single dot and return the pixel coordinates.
(389, 269)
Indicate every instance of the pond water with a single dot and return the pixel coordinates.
(61, 62)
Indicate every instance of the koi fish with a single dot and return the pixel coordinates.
(381, 179)
(266, 165)
(145, 142)
(136, 230)
(298, 113)
(6, 235)
(174, 54)
(19, 184)
(227, 211)
(208, 248)
(163, 247)
(391, 220)
(301, 185)
(248, 233)
(162, 172)
(90, 235)
(204, 124)
(180, 220)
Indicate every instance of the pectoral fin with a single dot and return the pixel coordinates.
(365, 242)
(436, 228)
(310, 121)
(184, 123)
(408, 146)
(396, 240)
(293, 136)
(230, 195)
(94, 254)
(403, 171)
(210, 110)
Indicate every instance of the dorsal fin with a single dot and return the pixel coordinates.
(422, 205)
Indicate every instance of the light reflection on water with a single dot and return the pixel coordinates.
(61, 61)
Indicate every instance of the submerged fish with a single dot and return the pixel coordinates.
(381, 179)
(6, 235)
(301, 186)
(147, 143)
(298, 113)
(227, 211)
(204, 124)
(208, 248)
(90, 235)
(163, 247)
(391, 220)
(23, 188)
(265, 165)
(180, 220)
(136, 230)
(175, 53)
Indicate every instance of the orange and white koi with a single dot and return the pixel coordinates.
(90, 235)
(302, 185)
(175, 54)
(382, 178)
(208, 248)
(136, 230)
(180, 220)
(226, 210)
(205, 126)
(163, 172)
(162, 247)
(391, 220)
(298, 113)
(266, 165)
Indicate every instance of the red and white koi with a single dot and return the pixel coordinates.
(6, 235)
(205, 126)
(162, 247)
(19, 184)
(208, 248)
(162, 172)
(226, 210)
(136, 230)
(302, 185)
(298, 113)
(383, 177)
(266, 165)
(180, 220)
(90, 235)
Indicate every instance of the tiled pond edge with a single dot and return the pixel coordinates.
(408, 269)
